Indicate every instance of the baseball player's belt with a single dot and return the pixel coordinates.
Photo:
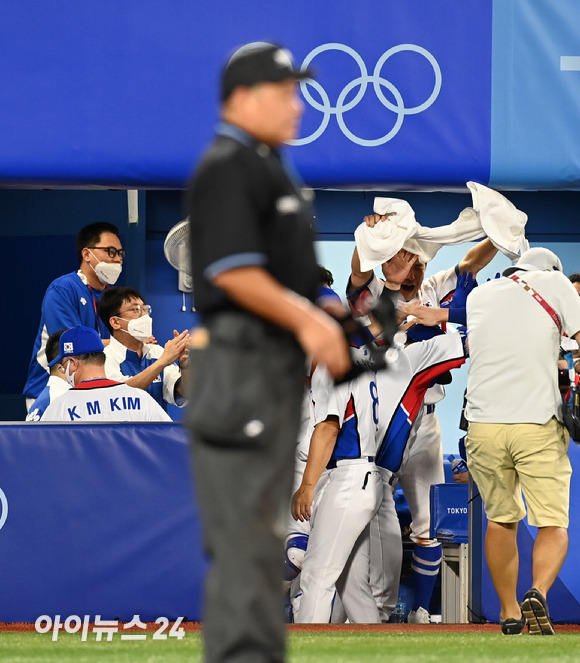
(338, 461)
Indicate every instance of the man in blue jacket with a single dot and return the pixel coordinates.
(71, 299)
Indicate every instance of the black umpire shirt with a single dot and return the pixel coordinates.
(246, 210)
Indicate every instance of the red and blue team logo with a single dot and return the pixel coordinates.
(390, 453)
(348, 440)
(394, 443)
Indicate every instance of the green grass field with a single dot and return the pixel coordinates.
(360, 647)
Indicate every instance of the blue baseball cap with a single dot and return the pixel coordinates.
(77, 341)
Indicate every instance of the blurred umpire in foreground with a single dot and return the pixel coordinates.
(255, 277)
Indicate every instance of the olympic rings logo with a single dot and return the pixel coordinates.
(327, 109)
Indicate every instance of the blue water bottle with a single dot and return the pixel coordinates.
(457, 464)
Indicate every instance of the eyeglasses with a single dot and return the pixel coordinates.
(138, 309)
(111, 250)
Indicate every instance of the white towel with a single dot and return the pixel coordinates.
(380, 243)
(491, 214)
(502, 221)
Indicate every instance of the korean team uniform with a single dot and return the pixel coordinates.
(402, 388)
(104, 400)
(122, 364)
(55, 387)
(338, 548)
(68, 302)
(423, 462)
(314, 410)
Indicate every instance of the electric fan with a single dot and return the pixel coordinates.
(176, 249)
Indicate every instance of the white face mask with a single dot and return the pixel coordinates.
(70, 378)
(140, 328)
(107, 272)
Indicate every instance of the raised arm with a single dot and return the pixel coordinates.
(478, 257)
(357, 276)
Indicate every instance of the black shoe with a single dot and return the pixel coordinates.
(512, 626)
(536, 612)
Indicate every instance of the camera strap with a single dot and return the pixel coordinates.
(544, 304)
(541, 301)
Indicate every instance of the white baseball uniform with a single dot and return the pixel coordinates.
(423, 465)
(55, 387)
(314, 410)
(104, 400)
(338, 549)
(386, 550)
(121, 364)
(423, 462)
(402, 389)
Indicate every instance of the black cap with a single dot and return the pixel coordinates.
(259, 62)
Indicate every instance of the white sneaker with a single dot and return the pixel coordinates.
(419, 616)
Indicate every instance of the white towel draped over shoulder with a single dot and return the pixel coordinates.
(492, 215)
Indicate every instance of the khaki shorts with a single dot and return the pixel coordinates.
(506, 459)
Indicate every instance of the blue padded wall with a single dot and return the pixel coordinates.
(98, 520)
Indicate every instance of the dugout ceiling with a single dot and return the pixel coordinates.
(408, 96)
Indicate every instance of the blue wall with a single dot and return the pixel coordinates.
(72, 543)
(406, 95)
(98, 520)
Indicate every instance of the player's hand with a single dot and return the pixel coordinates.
(372, 219)
(430, 316)
(461, 477)
(465, 284)
(151, 340)
(302, 503)
(397, 269)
